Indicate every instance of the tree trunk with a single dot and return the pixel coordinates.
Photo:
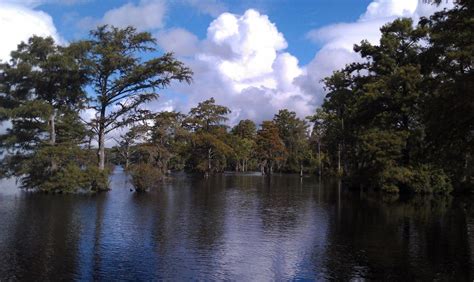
(127, 161)
(209, 156)
(52, 138)
(301, 170)
(52, 123)
(101, 149)
(339, 159)
(319, 157)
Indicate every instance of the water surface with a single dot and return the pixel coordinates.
(238, 227)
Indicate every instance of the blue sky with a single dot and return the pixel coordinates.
(255, 57)
(294, 18)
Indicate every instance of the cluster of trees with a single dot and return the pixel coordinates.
(46, 144)
(402, 118)
(201, 142)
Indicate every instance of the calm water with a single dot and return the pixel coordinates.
(237, 227)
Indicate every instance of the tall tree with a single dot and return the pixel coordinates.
(42, 92)
(171, 139)
(122, 80)
(243, 143)
(270, 147)
(207, 115)
(448, 65)
(376, 108)
(210, 149)
(42, 79)
(294, 133)
(245, 129)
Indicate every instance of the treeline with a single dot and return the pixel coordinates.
(201, 142)
(402, 118)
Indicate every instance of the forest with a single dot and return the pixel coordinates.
(399, 120)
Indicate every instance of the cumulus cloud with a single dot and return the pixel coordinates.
(242, 63)
(18, 23)
(146, 15)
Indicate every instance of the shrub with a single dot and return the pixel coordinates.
(63, 169)
(420, 179)
(144, 176)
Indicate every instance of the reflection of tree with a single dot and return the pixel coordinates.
(381, 237)
(208, 204)
(42, 239)
(282, 202)
(186, 225)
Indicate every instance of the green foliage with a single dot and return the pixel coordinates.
(172, 140)
(121, 78)
(145, 176)
(271, 150)
(245, 129)
(207, 116)
(392, 120)
(421, 179)
(72, 171)
(294, 134)
(210, 152)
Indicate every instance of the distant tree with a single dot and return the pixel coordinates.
(245, 129)
(122, 81)
(319, 131)
(243, 143)
(207, 115)
(127, 143)
(270, 147)
(210, 149)
(171, 139)
(244, 150)
(294, 133)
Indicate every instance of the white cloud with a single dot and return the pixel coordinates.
(179, 41)
(380, 9)
(243, 65)
(146, 15)
(210, 7)
(18, 23)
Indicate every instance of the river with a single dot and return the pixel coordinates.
(234, 227)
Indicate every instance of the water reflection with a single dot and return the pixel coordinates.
(244, 227)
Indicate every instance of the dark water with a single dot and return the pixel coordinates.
(234, 227)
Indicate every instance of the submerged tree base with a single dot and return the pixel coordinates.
(144, 176)
(63, 169)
